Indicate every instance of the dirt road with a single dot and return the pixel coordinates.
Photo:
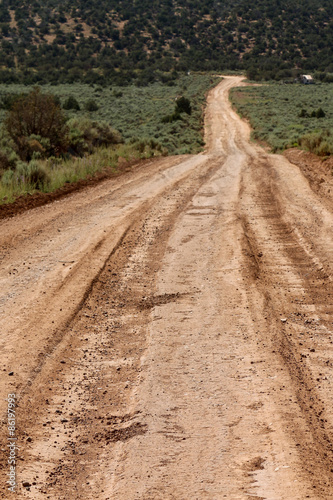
(168, 334)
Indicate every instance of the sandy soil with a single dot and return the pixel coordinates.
(168, 334)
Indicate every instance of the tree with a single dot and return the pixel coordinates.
(37, 121)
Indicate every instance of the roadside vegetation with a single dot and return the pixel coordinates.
(60, 134)
(285, 116)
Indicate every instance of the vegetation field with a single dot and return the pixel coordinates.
(288, 115)
(137, 112)
(120, 42)
(103, 126)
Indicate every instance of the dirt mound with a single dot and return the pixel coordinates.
(318, 171)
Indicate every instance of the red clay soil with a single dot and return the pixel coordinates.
(317, 170)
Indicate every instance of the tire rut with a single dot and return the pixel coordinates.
(109, 325)
(296, 288)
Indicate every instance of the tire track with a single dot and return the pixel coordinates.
(296, 288)
(114, 312)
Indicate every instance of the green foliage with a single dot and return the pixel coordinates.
(171, 118)
(91, 105)
(51, 174)
(8, 160)
(144, 42)
(85, 135)
(135, 111)
(183, 105)
(71, 103)
(8, 100)
(320, 143)
(284, 115)
(320, 113)
(303, 114)
(36, 123)
(33, 174)
(97, 145)
(8, 178)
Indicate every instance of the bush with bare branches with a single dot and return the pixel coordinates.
(36, 122)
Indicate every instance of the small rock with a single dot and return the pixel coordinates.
(284, 320)
(11, 373)
(26, 484)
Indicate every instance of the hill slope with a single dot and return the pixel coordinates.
(62, 41)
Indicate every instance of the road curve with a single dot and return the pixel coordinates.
(168, 334)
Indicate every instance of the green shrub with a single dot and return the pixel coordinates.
(171, 118)
(85, 135)
(8, 160)
(320, 113)
(8, 177)
(8, 100)
(32, 173)
(71, 103)
(91, 105)
(319, 143)
(183, 105)
(36, 115)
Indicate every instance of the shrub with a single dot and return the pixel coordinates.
(71, 103)
(7, 160)
(36, 114)
(85, 135)
(7, 178)
(32, 173)
(303, 114)
(172, 118)
(8, 100)
(91, 105)
(320, 113)
(320, 143)
(183, 105)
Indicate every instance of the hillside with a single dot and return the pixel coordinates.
(62, 41)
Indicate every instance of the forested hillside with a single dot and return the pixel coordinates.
(124, 40)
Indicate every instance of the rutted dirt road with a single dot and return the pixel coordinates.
(170, 331)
